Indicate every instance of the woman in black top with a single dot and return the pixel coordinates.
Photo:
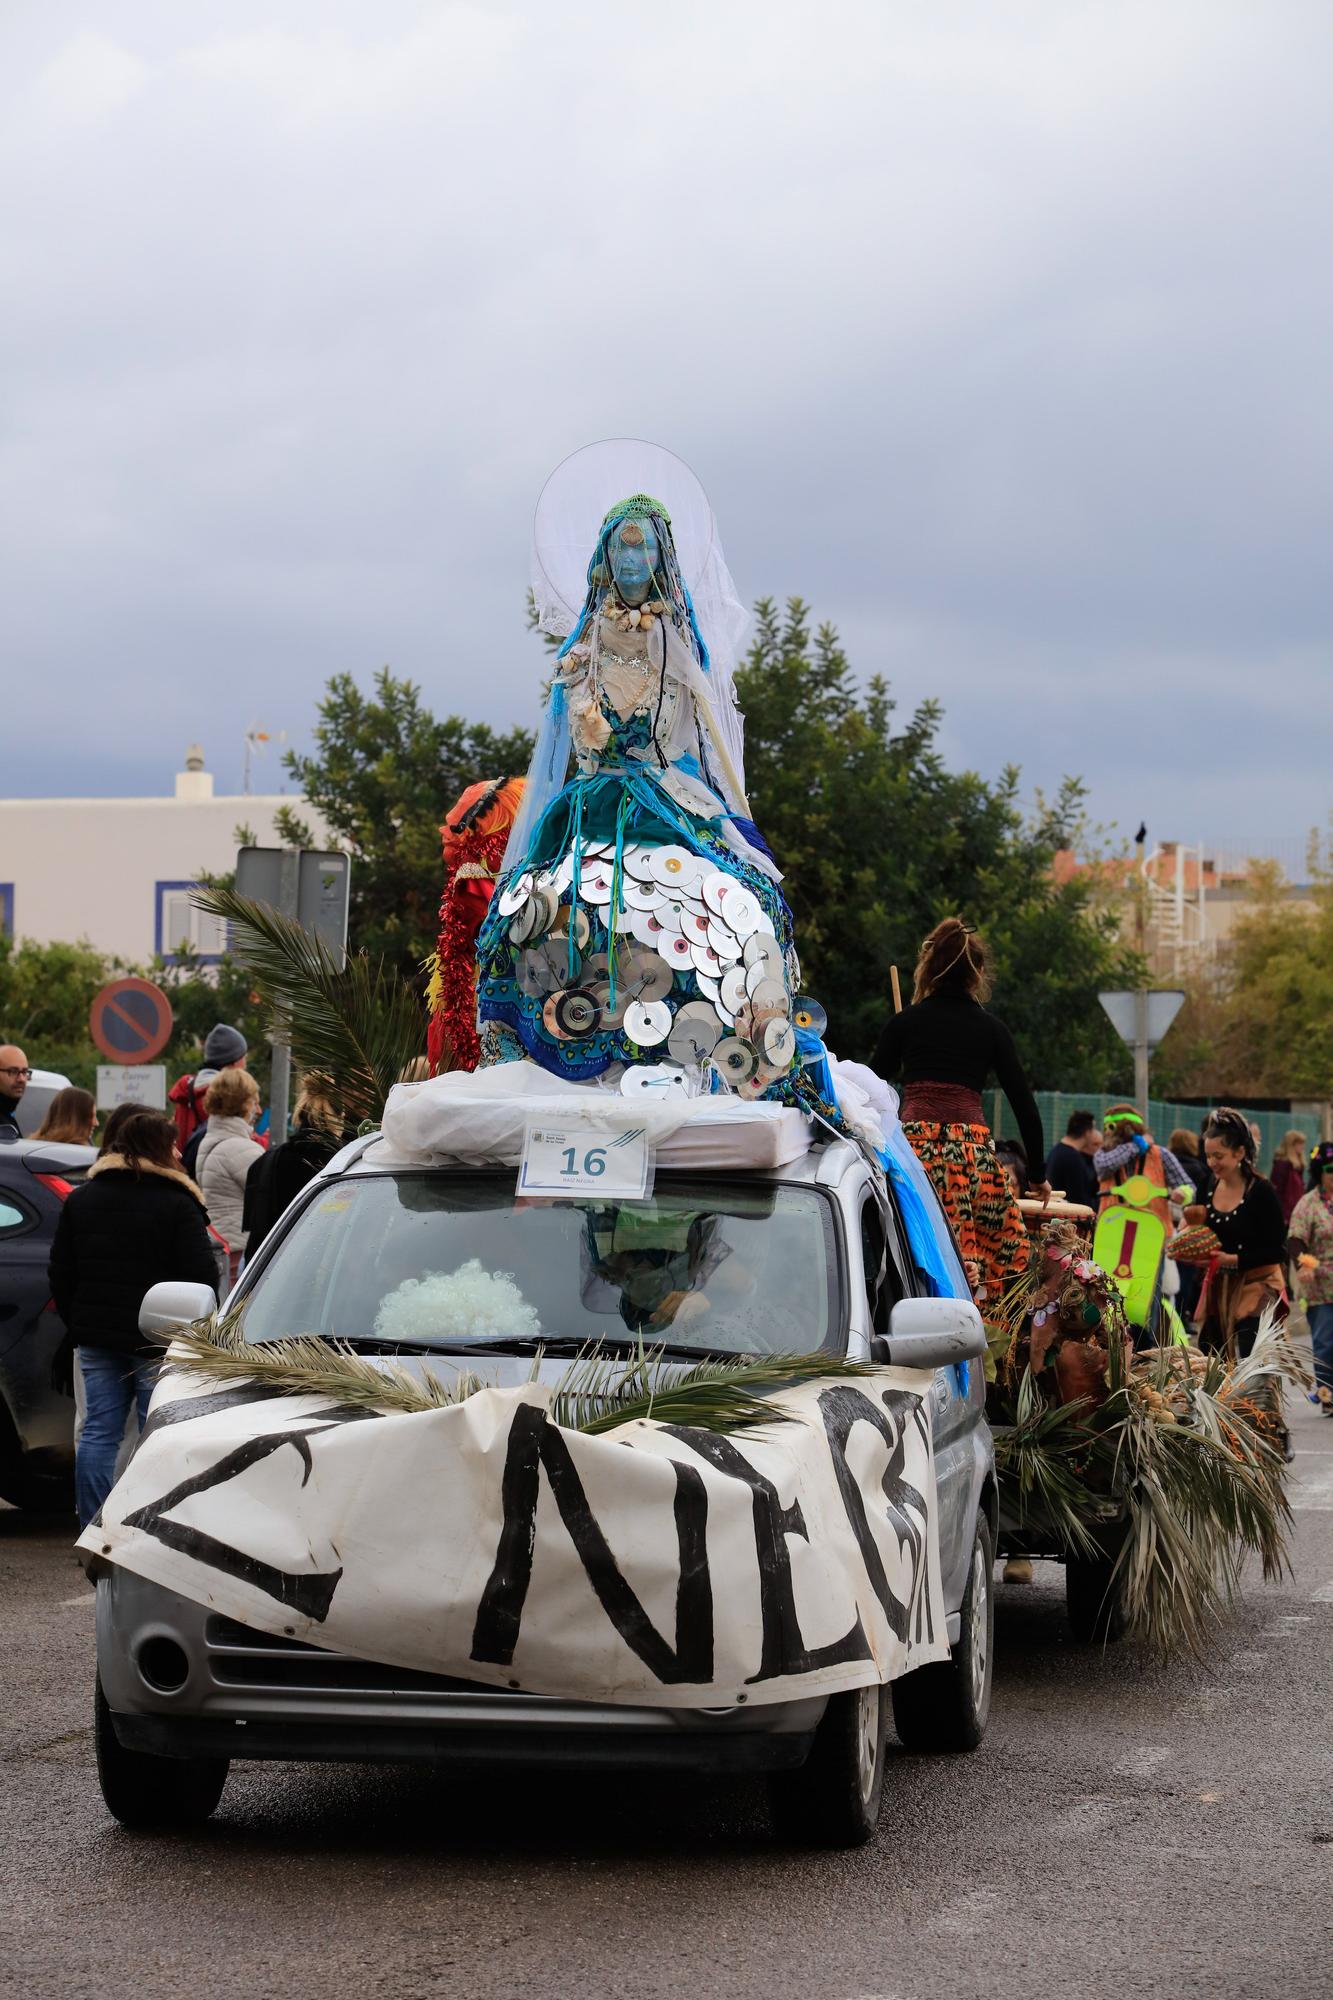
(138, 1219)
(945, 1047)
(1245, 1215)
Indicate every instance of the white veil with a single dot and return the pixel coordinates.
(575, 501)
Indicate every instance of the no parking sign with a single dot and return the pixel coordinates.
(131, 1020)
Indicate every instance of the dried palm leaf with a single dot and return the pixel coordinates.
(361, 1022)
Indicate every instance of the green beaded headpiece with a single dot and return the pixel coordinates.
(638, 503)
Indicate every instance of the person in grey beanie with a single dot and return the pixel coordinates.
(224, 1048)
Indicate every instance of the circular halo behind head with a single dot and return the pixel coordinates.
(569, 519)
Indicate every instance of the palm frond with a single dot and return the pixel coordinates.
(598, 1392)
(601, 1392)
(361, 1023)
(1042, 1463)
(312, 1366)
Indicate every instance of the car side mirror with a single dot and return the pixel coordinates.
(167, 1307)
(930, 1333)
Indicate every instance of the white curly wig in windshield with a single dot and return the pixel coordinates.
(469, 1303)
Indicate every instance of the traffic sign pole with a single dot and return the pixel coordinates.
(280, 1078)
(311, 887)
(1142, 1018)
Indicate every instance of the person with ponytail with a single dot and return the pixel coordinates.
(945, 1047)
(1245, 1215)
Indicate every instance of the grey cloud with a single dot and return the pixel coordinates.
(1002, 335)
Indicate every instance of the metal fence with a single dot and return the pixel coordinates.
(1056, 1105)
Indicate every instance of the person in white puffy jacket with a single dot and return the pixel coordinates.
(226, 1154)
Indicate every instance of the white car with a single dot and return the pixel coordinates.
(183, 1689)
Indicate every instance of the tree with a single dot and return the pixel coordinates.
(878, 841)
(46, 992)
(383, 774)
(1258, 1020)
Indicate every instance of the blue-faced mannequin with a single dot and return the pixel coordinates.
(633, 552)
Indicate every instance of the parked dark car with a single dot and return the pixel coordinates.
(36, 1421)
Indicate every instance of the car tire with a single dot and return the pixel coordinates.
(944, 1707)
(153, 1794)
(833, 1799)
(1093, 1600)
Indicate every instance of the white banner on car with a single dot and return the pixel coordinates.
(651, 1564)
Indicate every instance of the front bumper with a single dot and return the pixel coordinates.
(244, 1694)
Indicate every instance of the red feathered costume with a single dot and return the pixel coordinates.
(475, 834)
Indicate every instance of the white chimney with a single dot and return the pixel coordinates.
(194, 782)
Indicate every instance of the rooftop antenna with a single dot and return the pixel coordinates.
(257, 740)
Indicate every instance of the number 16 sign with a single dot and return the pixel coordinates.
(585, 1158)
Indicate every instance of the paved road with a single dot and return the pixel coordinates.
(1125, 1830)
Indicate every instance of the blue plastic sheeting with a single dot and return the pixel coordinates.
(931, 1245)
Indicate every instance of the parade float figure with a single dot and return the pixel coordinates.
(474, 836)
(638, 924)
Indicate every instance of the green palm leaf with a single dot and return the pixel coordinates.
(598, 1392)
(359, 1022)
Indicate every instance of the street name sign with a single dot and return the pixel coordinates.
(132, 1083)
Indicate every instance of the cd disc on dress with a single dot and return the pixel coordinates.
(768, 993)
(716, 888)
(808, 1014)
(708, 985)
(647, 927)
(560, 929)
(595, 884)
(724, 942)
(695, 924)
(707, 961)
(515, 895)
(763, 950)
(675, 867)
(608, 1016)
(550, 1020)
(552, 957)
(742, 911)
(654, 1080)
(639, 895)
(677, 951)
(524, 925)
(733, 1061)
(732, 989)
(577, 1013)
(638, 863)
(645, 975)
(779, 1044)
(695, 1033)
(647, 1022)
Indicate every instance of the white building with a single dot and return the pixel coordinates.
(118, 872)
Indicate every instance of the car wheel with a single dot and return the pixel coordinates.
(153, 1793)
(833, 1799)
(1093, 1600)
(944, 1707)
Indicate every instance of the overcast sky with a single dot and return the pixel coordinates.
(1000, 333)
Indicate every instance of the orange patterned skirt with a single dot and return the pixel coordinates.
(976, 1195)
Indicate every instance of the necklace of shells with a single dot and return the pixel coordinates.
(627, 618)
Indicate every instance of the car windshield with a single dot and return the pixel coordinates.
(447, 1261)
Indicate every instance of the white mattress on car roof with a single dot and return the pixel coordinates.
(479, 1118)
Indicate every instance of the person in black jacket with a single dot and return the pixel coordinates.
(1070, 1163)
(945, 1046)
(136, 1221)
(1246, 1217)
(279, 1174)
